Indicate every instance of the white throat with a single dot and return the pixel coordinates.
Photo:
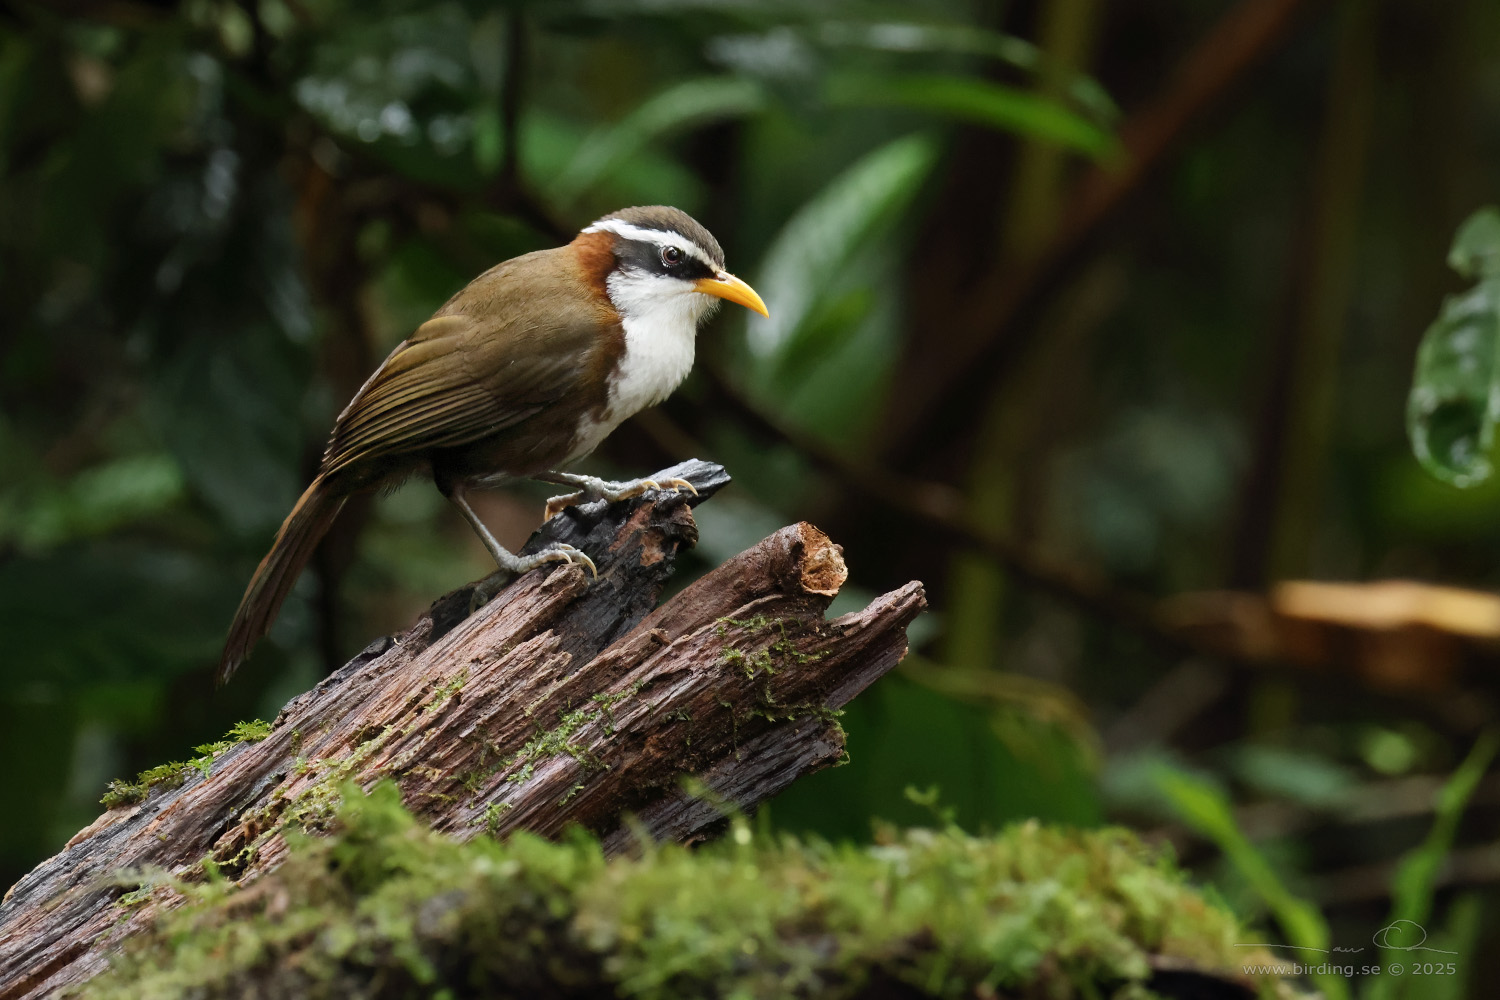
(660, 316)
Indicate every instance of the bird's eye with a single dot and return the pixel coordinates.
(671, 256)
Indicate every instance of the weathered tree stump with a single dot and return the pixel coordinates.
(563, 700)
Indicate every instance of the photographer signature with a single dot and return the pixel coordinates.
(1399, 935)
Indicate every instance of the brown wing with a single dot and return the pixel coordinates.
(512, 343)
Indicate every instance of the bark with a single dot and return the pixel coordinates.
(563, 700)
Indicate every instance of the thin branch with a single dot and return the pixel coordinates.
(1280, 495)
(996, 327)
(511, 193)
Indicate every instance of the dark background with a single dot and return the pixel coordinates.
(1078, 306)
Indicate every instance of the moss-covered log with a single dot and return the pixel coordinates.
(385, 908)
(561, 700)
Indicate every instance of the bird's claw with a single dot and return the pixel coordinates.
(486, 589)
(556, 505)
(641, 486)
(563, 552)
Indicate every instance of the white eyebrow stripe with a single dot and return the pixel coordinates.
(660, 237)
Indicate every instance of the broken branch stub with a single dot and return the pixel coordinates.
(563, 700)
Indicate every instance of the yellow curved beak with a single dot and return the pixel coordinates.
(726, 286)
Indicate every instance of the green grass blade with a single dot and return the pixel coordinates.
(1416, 877)
(1207, 811)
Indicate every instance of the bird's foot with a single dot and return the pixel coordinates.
(603, 489)
(512, 566)
(561, 552)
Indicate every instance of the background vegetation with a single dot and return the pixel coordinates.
(1079, 307)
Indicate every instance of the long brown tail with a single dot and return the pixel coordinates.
(300, 533)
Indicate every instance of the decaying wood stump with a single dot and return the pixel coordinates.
(563, 700)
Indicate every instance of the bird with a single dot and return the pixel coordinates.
(521, 373)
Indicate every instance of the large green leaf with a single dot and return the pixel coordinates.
(815, 245)
(980, 101)
(964, 39)
(643, 175)
(691, 102)
(1455, 394)
(903, 735)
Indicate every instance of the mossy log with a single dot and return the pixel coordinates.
(385, 909)
(563, 700)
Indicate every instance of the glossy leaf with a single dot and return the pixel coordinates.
(692, 102)
(1455, 394)
(965, 39)
(815, 245)
(550, 144)
(979, 101)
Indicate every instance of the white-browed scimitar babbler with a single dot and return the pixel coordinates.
(524, 371)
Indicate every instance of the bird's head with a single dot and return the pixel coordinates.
(663, 261)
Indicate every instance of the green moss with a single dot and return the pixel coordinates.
(442, 694)
(752, 664)
(770, 660)
(755, 624)
(546, 745)
(250, 732)
(135, 897)
(766, 663)
(553, 742)
(166, 776)
(607, 703)
(312, 808)
(492, 814)
(386, 908)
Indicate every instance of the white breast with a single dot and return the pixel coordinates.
(660, 317)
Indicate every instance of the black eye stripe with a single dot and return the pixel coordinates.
(651, 257)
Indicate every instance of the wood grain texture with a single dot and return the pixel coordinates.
(562, 700)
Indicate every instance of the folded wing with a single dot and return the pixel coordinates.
(436, 390)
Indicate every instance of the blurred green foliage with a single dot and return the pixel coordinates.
(215, 218)
(1402, 937)
(177, 346)
(1209, 811)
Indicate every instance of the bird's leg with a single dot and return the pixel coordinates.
(594, 488)
(509, 562)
